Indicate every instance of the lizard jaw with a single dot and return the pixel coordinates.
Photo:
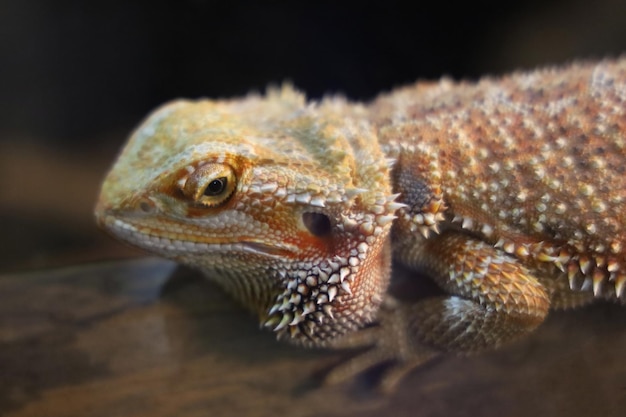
(179, 243)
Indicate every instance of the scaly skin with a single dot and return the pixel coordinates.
(507, 193)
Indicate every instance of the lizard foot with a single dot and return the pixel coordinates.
(389, 341)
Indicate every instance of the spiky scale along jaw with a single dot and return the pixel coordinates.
(287, 205)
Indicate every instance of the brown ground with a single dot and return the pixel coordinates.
(142, 338)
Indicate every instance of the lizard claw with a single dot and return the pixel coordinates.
(389, 340)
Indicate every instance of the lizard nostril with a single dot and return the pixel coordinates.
(317, 223)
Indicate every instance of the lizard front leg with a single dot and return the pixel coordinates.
(490, 299)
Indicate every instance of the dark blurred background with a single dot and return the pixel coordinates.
(76, 76)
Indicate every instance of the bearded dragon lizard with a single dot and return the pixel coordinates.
(508, 193)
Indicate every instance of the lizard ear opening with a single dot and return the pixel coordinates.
(211, 184)
(317, 223)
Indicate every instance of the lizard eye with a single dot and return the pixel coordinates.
(216, 187)
(211, 184)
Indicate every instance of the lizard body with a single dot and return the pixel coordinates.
(507, 192)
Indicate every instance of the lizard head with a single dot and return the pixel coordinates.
(287, 205)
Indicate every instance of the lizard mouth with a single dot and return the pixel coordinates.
(170, 243)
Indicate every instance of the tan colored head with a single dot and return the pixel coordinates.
(285, 204)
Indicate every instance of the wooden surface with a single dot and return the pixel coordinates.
(142, 338)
